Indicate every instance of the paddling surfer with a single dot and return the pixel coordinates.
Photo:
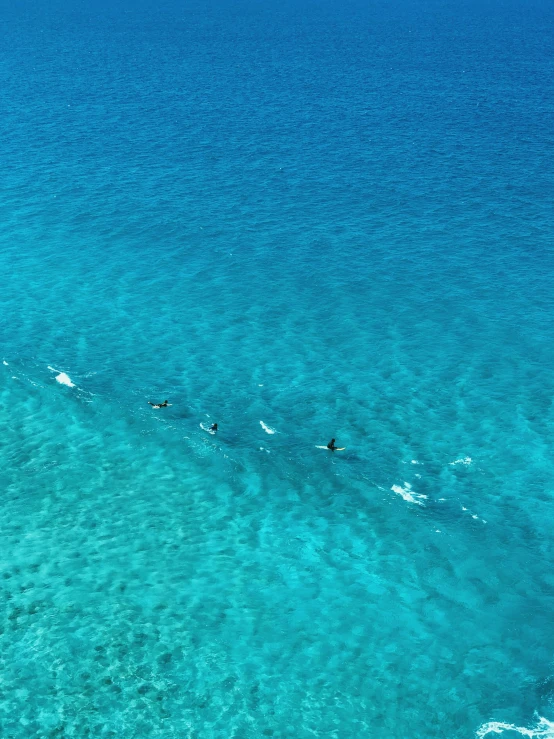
(159, 405)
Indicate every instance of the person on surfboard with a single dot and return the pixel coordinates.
(331, 445)
(159, 405)
(213, 428)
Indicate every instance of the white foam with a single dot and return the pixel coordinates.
(61, 377)
(267, 429)
(64, 379)
(464, 460)
(544, 729)
(5, 363)
(408, 494)
(479, 519)
(414, 461)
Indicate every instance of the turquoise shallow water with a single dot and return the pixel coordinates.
(333, 222)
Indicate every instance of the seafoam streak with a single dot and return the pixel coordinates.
(544, 729)
(408, 494)
(463, 460)
(267, 429)
(62, 378)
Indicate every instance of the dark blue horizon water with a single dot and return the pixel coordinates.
(302, 221)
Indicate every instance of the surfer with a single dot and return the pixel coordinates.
(331, 447)
(213, 428)
(159, 405)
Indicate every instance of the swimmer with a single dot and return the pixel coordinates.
(159, 405)
(213, 428)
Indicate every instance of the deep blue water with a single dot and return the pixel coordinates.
(333, 219)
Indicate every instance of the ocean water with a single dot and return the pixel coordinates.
(313, 219)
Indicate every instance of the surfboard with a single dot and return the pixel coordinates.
(336, 449)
